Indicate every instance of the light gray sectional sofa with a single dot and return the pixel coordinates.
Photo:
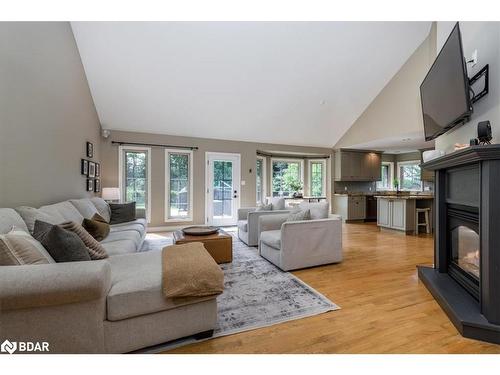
(113, 305)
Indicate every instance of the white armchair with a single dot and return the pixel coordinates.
(299, 244)
(248, 224)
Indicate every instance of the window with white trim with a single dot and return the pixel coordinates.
(260, 179)
(409, 175)
(135, 176)
(178, 185)
(386, 174)
(317, 178)
(287, 177)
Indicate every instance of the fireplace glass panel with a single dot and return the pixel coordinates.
(465, 250)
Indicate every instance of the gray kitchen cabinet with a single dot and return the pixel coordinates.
(350, 207)
(396, 213)
(357, 165)
(356, 208)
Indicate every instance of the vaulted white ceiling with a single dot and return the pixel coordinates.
(297, 83)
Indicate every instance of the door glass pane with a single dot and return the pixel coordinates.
(136, 178)
(179, 185)
(223, 189)
(317, 176)
(259, 179)
(286, 178)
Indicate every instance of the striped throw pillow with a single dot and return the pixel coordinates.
(95, 249)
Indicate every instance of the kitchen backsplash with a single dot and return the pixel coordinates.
(353, 186)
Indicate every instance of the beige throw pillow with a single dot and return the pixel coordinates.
(95, 249)
(19, 248)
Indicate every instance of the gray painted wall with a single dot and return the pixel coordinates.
(485, 38)
(47, 114)
(247, 150)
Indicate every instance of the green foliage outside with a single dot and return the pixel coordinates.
(286, 178)
(136, 178)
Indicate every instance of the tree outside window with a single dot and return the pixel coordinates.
(317, 178)
(409, 175)
(179, 185)
(386, 179)
(136, 178)
(286, 178)
(259, 177)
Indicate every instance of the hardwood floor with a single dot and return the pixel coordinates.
(385, 309)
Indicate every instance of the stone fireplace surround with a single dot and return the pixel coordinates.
(467, 189)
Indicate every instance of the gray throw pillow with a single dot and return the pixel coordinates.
(122, 212)
(95, 249)
(264, 207)
(299, 215)
(61, 244)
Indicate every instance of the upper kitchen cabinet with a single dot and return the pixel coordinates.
(357, 165)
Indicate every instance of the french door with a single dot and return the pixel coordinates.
(222, 188)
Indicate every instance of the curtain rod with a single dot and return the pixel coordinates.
(293, 156)
(155, 145)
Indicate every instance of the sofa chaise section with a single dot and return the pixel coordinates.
(138, 314)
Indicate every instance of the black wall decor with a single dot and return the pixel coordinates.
(91, 173)
(84, 167)
(97, 185)
(90, 150)
(90, 184)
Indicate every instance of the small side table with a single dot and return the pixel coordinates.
(219, 245)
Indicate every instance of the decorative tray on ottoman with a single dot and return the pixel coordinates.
(200, 230)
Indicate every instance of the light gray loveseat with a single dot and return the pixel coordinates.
(114, 305)
(299, 244)
(248, 220)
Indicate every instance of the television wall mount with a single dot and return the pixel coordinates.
(482, 73)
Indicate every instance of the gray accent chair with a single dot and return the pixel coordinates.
(293, 245)
(115, 305)
(248, 220)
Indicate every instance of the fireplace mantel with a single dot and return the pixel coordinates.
(472, 154)
(468, 180)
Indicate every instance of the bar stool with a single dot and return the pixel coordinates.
(426, 223)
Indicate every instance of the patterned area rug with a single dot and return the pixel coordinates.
(256, 294)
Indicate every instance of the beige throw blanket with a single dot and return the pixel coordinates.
(190, 271)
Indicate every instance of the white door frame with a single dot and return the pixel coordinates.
(236, 201)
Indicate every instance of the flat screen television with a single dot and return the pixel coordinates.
(444, 92)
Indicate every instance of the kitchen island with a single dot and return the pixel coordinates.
(398, 211)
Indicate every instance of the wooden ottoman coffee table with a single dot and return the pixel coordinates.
(219, 245)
